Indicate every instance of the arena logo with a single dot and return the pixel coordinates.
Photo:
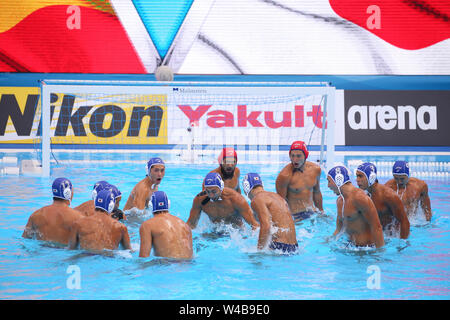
(110, 113)
(244, 118)
(387, 117)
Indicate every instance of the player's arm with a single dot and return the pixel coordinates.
(398, 210)
(28, 232)
(281, 185)
(146, 240)
(369, 212)
(73, 236)
(244, 210)
(317, 194)
(140, 198)
(265, 220)
(425, 202)
(339, 221)
(238, 176)
(196, 210)
(125, 242)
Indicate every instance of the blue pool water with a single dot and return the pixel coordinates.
(224, 267)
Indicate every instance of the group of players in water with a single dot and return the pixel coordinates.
(364, 213)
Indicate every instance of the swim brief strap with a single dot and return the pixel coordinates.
(284, 247)
(302, 215)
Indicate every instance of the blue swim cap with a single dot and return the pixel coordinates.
(62, 188)
(152, 162)
(105, 200)
(99, 186)
(401, 168)
(250, 181)
(116, 192)
(160, 202)
(370, 172)
(213, 179)
(340, 175)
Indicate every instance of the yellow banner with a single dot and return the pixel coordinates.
(84, 118)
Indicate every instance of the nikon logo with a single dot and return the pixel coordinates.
(388, 117)
(103, 121)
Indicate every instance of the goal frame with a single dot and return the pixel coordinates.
(49, 86)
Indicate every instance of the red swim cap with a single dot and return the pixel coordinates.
(227, 152)
(299, 145)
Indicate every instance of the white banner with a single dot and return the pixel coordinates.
(249, 116)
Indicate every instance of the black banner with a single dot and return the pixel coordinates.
(397, 118)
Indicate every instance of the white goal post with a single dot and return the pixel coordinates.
(190, 115)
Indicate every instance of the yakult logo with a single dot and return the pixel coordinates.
(244, 117)
(387, 117)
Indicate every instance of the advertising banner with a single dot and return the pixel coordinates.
(397, 118)
(248, 116)
(171, 115)
(84, 119)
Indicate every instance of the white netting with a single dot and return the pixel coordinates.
(193, 120)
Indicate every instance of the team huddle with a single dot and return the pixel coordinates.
(364, 213)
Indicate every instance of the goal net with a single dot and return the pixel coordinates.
(190, 121)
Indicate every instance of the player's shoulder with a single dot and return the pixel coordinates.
(143, 183)
(228, 192)
(216, 170)
(383, 188)
(266, 197)
(416, 181)
(178, 220)
(313, 166)
(257, 202)
(272, 195)
(78, 223)
(359, 196)
(38, 215)
(286, 172)
(388, 193)
(156, 222)
(72, 212)
(119, 225)
(40, 211)
(234, 196)
(146, 224)
(390, 183)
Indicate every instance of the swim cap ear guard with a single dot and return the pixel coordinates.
(339, 175)
(152, 162)
(101, 185)
(105, 201)
(250, 181)
(62, 189)
(160, 201)
(400, 168)
(370, 171)
(213, 179)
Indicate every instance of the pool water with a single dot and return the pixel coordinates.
(226, 264)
